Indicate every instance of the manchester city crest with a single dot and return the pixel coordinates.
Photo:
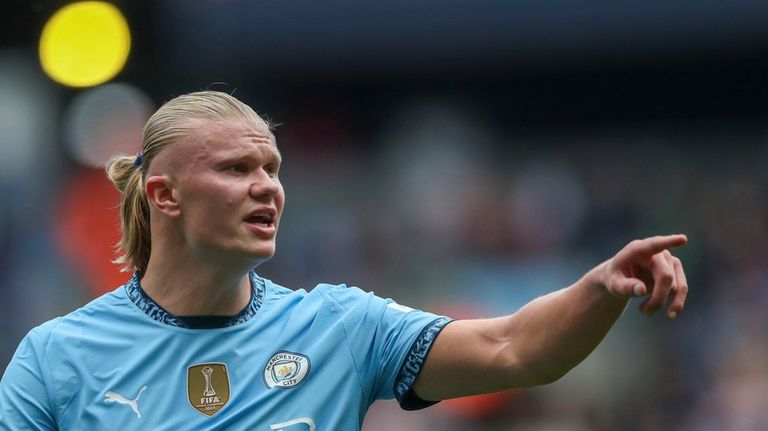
(286, 370)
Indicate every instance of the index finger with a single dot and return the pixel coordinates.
(656, 244)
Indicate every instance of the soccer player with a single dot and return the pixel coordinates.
(197, 340)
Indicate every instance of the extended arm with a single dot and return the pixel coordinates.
(550, 335)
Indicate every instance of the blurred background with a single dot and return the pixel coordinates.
(461, 157)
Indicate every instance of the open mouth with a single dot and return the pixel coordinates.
(263, 220)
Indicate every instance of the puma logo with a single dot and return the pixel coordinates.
(114, 397)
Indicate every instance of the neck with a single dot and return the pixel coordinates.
(185, 286)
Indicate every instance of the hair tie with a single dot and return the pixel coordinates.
(139, 159)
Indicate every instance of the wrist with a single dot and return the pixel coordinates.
(595, 278)
(597, 281)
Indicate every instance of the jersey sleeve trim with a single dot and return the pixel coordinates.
(413, 363)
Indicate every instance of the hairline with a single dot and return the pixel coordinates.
(193, 124)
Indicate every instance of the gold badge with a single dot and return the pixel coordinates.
(208, 387)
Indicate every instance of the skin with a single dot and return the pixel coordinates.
(550, 335)
(201, 190)
(226, 170)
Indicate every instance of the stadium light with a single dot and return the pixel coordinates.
(85, 44)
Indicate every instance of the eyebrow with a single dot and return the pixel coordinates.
(240, 155)
(272, 142)
(277, 152)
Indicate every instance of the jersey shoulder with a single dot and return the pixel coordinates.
(106, 307)
(330, 297)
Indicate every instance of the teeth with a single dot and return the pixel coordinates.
(261, 220)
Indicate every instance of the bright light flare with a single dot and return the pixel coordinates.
(85, 44)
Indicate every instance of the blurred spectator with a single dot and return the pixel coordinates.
(483, 184)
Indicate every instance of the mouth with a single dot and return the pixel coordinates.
(262, 220)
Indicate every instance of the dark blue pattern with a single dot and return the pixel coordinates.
(152, 309)
(413, 362)
(147, 305)
(257, 297)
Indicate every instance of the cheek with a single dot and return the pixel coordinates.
(280, 198)
(212, 200)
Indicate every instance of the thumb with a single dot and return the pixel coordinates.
(628, 287)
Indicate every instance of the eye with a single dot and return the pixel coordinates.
(238, 168)
(272, 169)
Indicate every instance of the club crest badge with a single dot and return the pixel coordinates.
(286, 370)
(208, 387)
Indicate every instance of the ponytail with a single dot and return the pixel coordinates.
(125, 172)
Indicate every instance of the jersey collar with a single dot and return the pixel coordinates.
(152, 309)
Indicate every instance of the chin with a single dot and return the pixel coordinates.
(261, 256)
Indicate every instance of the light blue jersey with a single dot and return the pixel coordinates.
(292, 361)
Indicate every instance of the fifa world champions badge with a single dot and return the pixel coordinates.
(286, 370)
(208, 387)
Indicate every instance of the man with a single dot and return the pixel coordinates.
(197, 340)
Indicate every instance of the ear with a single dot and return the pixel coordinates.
(160, 195)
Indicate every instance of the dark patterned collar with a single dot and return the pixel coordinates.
(156, 312)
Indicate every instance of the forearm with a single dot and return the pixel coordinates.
(534, 346)
(554, 333)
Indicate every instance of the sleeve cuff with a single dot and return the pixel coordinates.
(412, 365)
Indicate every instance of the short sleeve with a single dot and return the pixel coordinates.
(388, 341)
(24, 398)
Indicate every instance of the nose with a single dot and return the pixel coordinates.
(264, 186)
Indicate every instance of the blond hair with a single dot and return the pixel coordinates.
(174, 120)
